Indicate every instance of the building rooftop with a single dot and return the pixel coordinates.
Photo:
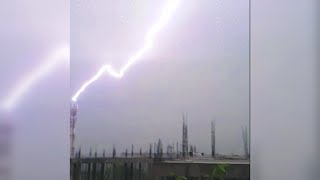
(208, 161)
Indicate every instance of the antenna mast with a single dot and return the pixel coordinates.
(73, 119)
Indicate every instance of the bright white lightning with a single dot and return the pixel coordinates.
(164, 18)
(59, 56)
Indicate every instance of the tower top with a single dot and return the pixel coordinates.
(73, 109)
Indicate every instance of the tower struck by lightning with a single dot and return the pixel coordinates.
(184, 136)
(73, 120)
(163, 20)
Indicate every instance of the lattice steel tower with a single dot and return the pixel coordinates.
(73, 120)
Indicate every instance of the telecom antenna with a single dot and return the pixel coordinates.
(73, 120)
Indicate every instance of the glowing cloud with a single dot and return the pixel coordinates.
(164, 18)
(59, 56)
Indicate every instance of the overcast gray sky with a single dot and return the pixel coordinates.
(199, 64)
(30, 31)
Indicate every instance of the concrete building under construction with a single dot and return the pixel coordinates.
(154, 164)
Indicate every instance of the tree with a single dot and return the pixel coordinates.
(218, 171)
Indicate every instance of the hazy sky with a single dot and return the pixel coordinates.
(199, 64)
(30, 30)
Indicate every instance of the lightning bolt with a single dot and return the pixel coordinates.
(164, 18)
(59, 56)
(62, 53)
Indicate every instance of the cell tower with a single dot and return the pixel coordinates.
(184, 137)
(213, 139)
(73, 120)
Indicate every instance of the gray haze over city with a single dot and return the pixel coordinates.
(199, 65)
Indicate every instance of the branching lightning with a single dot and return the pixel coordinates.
(164, 18)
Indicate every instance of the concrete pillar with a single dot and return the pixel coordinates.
(139, 176)
(75, 172)
(125, 171)
(131, 171)
(114, 171)
(89, 172)
(102, 170)
(94, 171)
